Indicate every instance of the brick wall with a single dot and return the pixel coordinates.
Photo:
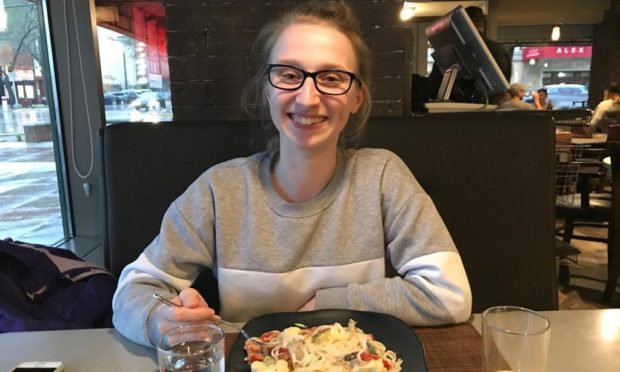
(605, 67)
(210, 53)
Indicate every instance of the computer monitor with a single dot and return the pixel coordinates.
(459, 49)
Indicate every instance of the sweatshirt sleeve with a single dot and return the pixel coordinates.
(168, 265)
(432, 286)
(597, 115)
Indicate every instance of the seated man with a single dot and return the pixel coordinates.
(610, 105)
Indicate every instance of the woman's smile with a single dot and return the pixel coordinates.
(307, 121)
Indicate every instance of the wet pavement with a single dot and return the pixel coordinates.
(12, 121)
(29, 199)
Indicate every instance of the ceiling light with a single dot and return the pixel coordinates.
(555, 33)
(407, 12)
(532, 62)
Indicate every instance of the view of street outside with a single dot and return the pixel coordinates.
(30, 205)
(136, 87)
(564, 70)
(29, 201)
(134, 62)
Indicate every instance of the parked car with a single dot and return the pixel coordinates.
(115, 97)
(150, 101)
(132, 94)
(565, 96)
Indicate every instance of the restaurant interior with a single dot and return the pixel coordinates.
(111, 108)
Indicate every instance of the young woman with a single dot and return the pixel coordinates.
(306, 224)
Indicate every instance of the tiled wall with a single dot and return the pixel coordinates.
(210, 53)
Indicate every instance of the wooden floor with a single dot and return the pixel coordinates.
(588, 275)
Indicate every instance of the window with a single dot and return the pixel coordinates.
(32, 188)
(134, 61)
(564, 70)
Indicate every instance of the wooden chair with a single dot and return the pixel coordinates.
(592, 203)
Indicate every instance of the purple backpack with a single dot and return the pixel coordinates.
(45, 288)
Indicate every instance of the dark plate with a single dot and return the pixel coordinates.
(390, 331)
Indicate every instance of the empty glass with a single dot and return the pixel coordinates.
(194, 347)
(515, 339)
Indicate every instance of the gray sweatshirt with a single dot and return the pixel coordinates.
(270, 255)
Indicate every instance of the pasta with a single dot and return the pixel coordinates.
(322, 348)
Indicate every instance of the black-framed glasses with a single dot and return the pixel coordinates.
(332, 82)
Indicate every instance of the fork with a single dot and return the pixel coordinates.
(262, 344)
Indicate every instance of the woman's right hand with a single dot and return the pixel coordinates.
(193, 309)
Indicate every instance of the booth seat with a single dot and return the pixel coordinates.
(491, 176)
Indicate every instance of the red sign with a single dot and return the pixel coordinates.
(554, 52)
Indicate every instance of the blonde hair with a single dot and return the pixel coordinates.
(332, 13)
(514, 89)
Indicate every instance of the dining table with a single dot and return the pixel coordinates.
(581, 340)
(596, 139)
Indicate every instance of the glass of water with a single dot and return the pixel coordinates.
(193, 347)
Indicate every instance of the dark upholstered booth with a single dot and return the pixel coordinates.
(491, 176)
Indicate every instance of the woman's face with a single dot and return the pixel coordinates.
(306, 118)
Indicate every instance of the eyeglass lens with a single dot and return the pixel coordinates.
(327, 81)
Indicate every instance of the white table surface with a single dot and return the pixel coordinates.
(581, 340)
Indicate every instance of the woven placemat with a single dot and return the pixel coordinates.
(229, 340)
(450, 348)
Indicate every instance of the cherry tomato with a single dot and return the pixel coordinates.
(387, 364)
(268, 336)
(256, 358)
(283, 353)
(366, 356)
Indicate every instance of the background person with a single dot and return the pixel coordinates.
(306, 224)
(514, 99)
(464, 90)
(543, 102)
(609, 105)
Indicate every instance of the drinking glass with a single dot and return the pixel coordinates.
(193, 347)
(515, 339)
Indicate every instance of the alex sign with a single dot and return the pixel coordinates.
(555, 52)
